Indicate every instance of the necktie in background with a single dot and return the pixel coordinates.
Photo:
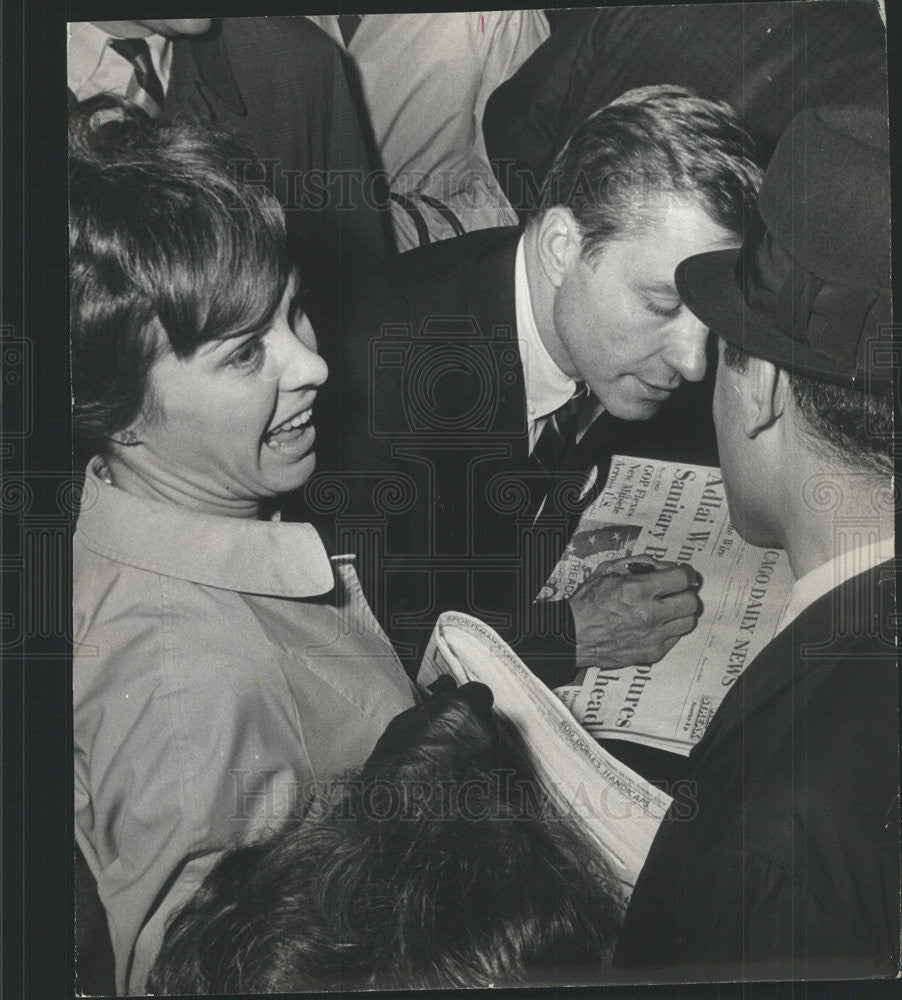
(347, 25)
(146, 91)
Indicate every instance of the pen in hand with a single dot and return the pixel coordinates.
(636, 568)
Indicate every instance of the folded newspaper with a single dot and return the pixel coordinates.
(617, 808)
(678, 512)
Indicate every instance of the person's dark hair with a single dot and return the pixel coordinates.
(440, 864)
(653, 141)
(846, 422)
(169, 245)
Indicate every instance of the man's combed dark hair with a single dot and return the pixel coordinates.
(652, 142)
(442, 865)
(166, 243)
(846, 422)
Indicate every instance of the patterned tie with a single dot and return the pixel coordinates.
(148, 91)
(563, 459)
(558, 436)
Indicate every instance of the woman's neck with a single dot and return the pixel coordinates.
(169, 489)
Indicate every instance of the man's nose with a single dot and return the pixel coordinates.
(688, 353)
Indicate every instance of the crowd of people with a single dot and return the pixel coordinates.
(382, 295)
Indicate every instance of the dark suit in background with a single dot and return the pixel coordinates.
(280, 82)
(767, 60)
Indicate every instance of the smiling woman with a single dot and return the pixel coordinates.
(230, 425)
(222, 659)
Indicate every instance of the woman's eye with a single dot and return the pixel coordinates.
(247, 355)
(665, 311)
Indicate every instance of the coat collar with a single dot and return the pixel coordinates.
(210, 56)
(253, 557)
(812, 642)
(491, 290)
(491, 297)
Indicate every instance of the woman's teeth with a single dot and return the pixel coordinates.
(289, 425)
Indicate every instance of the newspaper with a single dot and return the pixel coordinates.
(617, 808)
(678, 512)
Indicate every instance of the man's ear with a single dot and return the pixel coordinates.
(558, 243)
(767, 387)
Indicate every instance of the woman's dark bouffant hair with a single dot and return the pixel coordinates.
(439, 864)
(172, 238)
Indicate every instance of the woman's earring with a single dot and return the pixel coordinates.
(127, 437)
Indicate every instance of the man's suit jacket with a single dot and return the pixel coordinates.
(767, 60)
(780, 858)
(424, 422)
(280, 82)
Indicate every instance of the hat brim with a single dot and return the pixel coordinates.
(709, 285)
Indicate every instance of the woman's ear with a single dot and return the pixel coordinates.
(766, 388)
(151, 413)
(128, 438)
(558, 242)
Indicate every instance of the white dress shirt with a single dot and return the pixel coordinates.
(547, 387)
(426, 79)
(830, 575)
(92, 67)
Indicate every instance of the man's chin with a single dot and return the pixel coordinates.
(750, 530)
(635, 409)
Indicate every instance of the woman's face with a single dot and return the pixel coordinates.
(231, 425)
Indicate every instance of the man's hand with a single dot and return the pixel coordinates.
(626, 616)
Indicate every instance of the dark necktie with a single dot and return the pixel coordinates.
(568, 464)
(149, 96)
(558, 438)
(347, 25)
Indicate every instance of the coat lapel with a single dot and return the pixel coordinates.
(208, 57)
(491, 300)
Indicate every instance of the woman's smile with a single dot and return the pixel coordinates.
(235, 420)
(294, 436)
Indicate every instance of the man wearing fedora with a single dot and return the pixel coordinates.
(781, 860)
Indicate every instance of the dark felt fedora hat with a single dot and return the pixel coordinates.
(810, 288)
